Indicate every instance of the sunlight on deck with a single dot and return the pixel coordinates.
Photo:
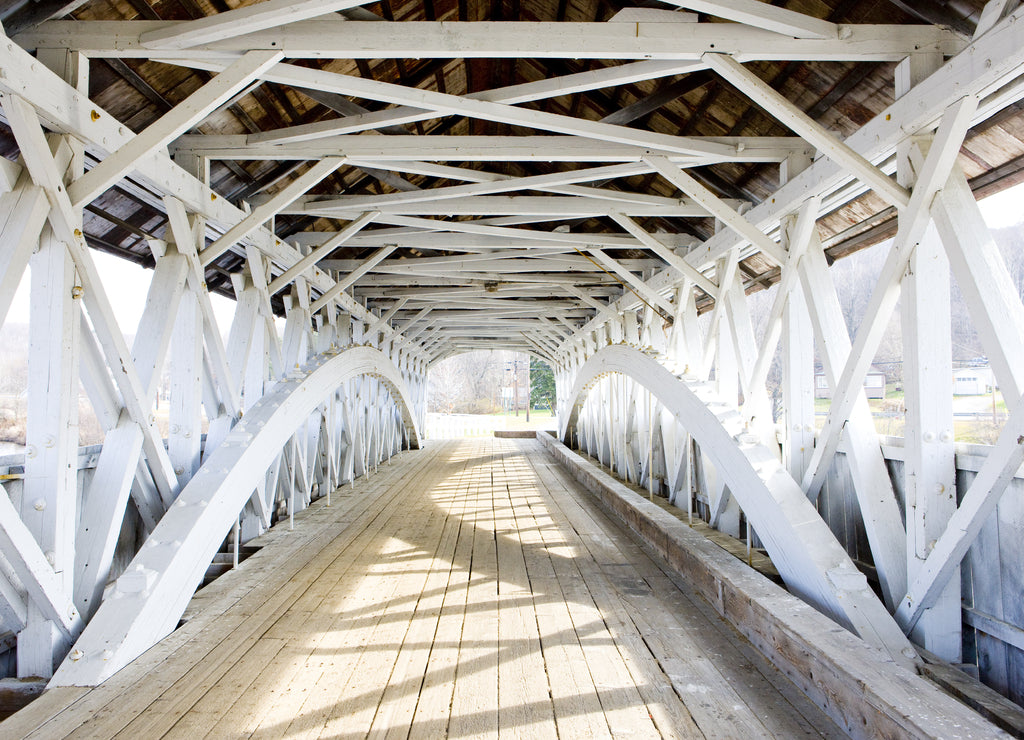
(468, 589)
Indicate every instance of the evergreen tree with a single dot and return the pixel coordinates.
(542, 384)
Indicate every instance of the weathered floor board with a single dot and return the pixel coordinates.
(467, 589)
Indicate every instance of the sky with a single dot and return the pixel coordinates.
(127, 283)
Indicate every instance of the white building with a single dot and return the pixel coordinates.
(972, 381)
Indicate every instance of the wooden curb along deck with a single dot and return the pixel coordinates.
(473, 588)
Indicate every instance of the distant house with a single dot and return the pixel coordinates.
(874, 384)
(972, 381)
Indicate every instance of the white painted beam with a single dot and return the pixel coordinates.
(341, 39)
(789, 115)
(341, 285)
(549, 207)
(23, 121)
(443, 103)
(321, 251)
(266, 211)
(929, 461)
(172, 124)
(371, 151)
(717, 207)
(532, 182)
(991, 296)
(966, 523)
(49, 502)
(883, 523)
(799, 238)
(103, 514)
(66, 110)
(375, 326)
(187, 236)
(665, 252)
(240, 21)
(993, 12)
(511, 95)
(473, 236)
(153, 336)
(22, 214)
(986, 67)
(764, 15)
(13, 606)
(186, 368)
(43, 585)
(929, 464)
(634, 283)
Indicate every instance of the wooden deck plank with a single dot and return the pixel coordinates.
(393, 717)
(433, 706)
(360, 697)
(715, 707)
(315, 621)
(257, 616)
(468, 589)
(728, 690)
(524, 706)
(621, 701)
(192, 640)
(574, 696)
(474, 709)
(359, 610)
(601, 572)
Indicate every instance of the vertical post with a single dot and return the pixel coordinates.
(528, 399)
(688, 479)
(726, 370)
(797, 358)
(650, 445)
(49, 499)
(186, 367)
(515, 386)
(798, 383)
(930, 472)
(48, 505)
(256, 367)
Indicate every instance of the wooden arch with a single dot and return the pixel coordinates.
(152, 594)
(810, 559)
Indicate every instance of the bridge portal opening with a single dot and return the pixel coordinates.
(478, 393)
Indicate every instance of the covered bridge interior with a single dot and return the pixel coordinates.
(602, 184)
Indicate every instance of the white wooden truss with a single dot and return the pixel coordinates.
(293, 415)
